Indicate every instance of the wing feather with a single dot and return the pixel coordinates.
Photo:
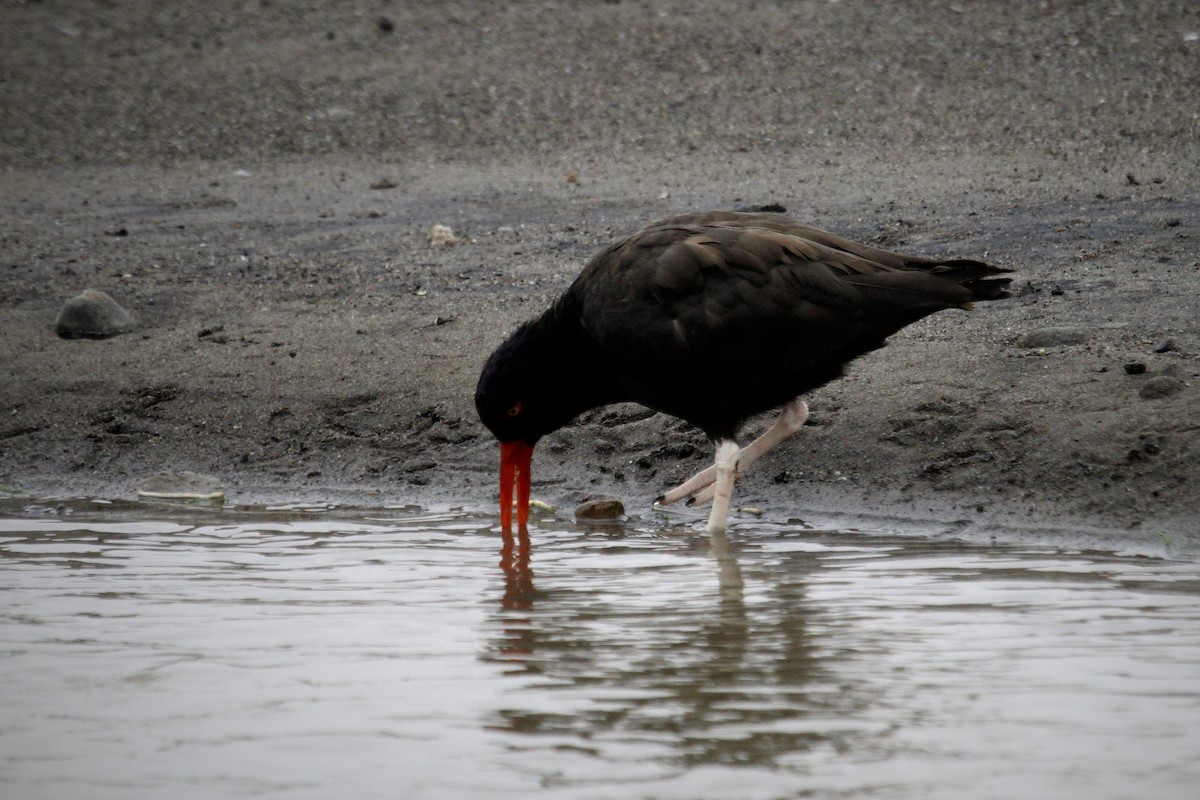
(729, 290)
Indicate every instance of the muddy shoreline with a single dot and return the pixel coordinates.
(301, 339)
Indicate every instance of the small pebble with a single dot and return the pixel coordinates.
(600, 509)
(1166, 345)
(1160, 386)
(1135, 368)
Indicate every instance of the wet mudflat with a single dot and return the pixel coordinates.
(406, 653)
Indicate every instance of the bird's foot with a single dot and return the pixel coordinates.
(698, 484)
(701, 487)
(698, 489)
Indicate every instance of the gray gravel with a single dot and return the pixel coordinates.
(257, 184)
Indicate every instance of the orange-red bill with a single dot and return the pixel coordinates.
(515, 458)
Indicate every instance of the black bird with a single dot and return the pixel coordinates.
(711, 318)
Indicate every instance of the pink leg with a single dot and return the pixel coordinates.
(701, 486)
(726, 468)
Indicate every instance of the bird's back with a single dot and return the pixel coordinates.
(714, 317)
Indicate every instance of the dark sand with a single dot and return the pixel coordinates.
(257, 183)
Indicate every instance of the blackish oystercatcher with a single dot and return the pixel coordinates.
(711, 318)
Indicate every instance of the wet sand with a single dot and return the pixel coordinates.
(257, 185)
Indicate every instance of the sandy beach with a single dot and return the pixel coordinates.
(257, 183)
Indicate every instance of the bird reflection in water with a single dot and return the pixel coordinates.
(693, 674)
(519, 591)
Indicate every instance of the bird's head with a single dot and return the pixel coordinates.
(515, 403)
(535, 383)
(503, 419)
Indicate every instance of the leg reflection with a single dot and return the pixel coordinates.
(518, 576)
(729, 572)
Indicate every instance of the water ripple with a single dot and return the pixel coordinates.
(303, 652)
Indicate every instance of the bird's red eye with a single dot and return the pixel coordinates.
(512, 412)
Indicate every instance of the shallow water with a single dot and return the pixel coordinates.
(400, 654)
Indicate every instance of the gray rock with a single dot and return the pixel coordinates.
(1166, 345)
(1161, 386)
(92, 314)
(1053, 337)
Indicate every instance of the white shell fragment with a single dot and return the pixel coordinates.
(441, 236)
(182, 485)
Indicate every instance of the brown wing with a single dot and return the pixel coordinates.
(765, 270)
(758, 295)
(837, 249)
